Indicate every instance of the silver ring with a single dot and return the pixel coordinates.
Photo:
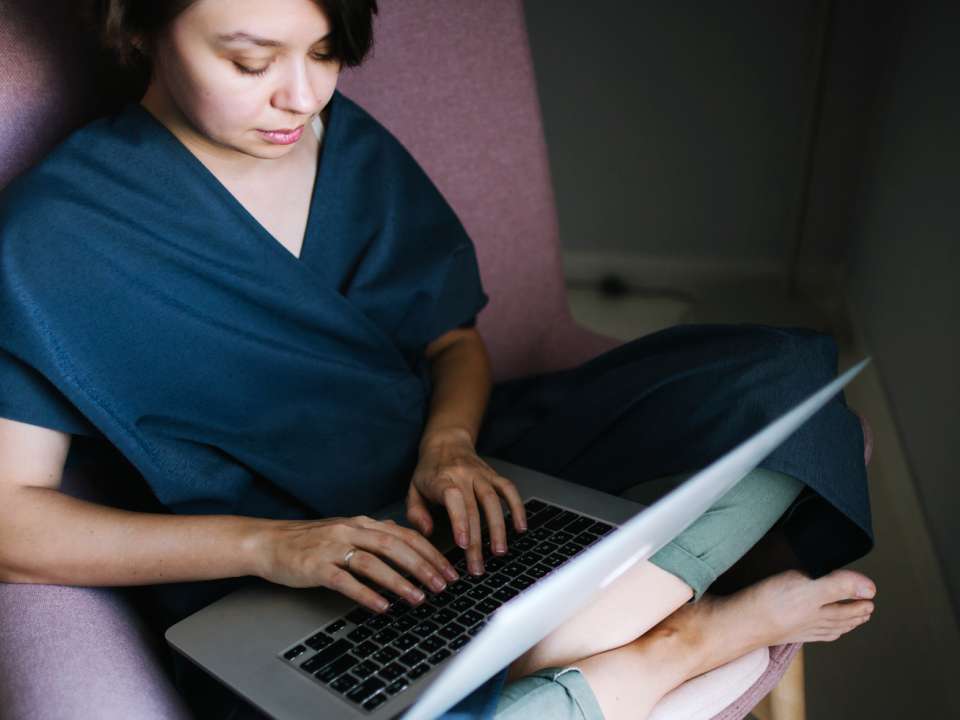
(348, 556)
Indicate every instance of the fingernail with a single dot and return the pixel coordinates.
(437, 584)
(866, 592)
(418, 595)
(499, 548)
(383, 605)
(451, 574)
(462, 540)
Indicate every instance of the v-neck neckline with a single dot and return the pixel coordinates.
(320, 180)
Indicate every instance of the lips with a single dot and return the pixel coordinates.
(283, 131)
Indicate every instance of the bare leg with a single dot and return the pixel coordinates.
(626, 609)
(628, 681)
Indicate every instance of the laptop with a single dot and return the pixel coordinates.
(307, 653)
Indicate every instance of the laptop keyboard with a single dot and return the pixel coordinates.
(368, 658)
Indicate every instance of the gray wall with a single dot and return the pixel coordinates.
(675, 128)
(904, 261)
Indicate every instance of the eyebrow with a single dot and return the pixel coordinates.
(262, 42)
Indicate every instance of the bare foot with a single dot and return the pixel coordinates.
(784, 608)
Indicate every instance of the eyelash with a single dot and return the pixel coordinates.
(243, 70)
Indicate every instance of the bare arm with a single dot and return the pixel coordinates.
(49, 537)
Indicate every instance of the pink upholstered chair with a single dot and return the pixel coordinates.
(454, 81)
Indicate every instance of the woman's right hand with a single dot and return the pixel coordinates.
(310, 553)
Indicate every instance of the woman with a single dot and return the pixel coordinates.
(277, 326)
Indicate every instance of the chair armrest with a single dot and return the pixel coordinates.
(79, 653)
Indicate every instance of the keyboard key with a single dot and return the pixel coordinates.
(476, 628)
(327, 656)
(495, 563)
(422, 612)
(342, 684)
(444, 616)
(569, 549)
(460, 642)
(462, 604)
(522, 582)
(458, 588)
(488, 606)
(546, 547)
(335, 626)
(392, 671)
(561, 537)
(417, 671)
(471, 617)
(524, 544)
(426, 628)
(497, 580)
(533, 506)
(479, 592)
(586, 539)
(412, 657)
(386, 655)
(601, 528)
(365, 689)
(359, 634)
(378, 623)
(514, 569)
(538, 571)
(554, 560)
(385, 637)
(318, 641)
(542, 517)
(579, 525)
(375, 702)
(336, 668)
(407, 641)
(452, 630)
(541, 534)
(294, 652)
(562, 520)
(504, 594)
(365, 649)
(398, 686)
(443, 599)
(528, 559)
(439, 656)
(359, 616)
(432, 644)
(365, 669)
(405, 623)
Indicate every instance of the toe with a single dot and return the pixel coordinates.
(844, 585)
(847, 610)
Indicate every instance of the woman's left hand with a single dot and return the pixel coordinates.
(450, 473)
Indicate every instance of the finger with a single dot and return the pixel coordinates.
(456, 508)
(365, 563)
(474, 549)
(514, 501)
(417, 512)
(490, 501)
(343, 582)
(427, 551)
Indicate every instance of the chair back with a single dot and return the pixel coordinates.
(453, 81)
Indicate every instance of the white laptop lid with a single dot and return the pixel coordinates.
(522, 622)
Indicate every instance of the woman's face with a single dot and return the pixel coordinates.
(229, 71)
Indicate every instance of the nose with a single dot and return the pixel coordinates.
(297, 92)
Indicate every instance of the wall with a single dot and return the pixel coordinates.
(904, 261)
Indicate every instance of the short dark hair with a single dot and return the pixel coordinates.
(120, 22)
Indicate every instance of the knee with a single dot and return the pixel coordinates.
(805, 359)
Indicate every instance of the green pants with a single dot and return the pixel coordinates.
(698, 556)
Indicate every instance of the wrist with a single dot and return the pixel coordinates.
(255, 545)
(450, 435)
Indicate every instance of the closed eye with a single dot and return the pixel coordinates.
(243, 69)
